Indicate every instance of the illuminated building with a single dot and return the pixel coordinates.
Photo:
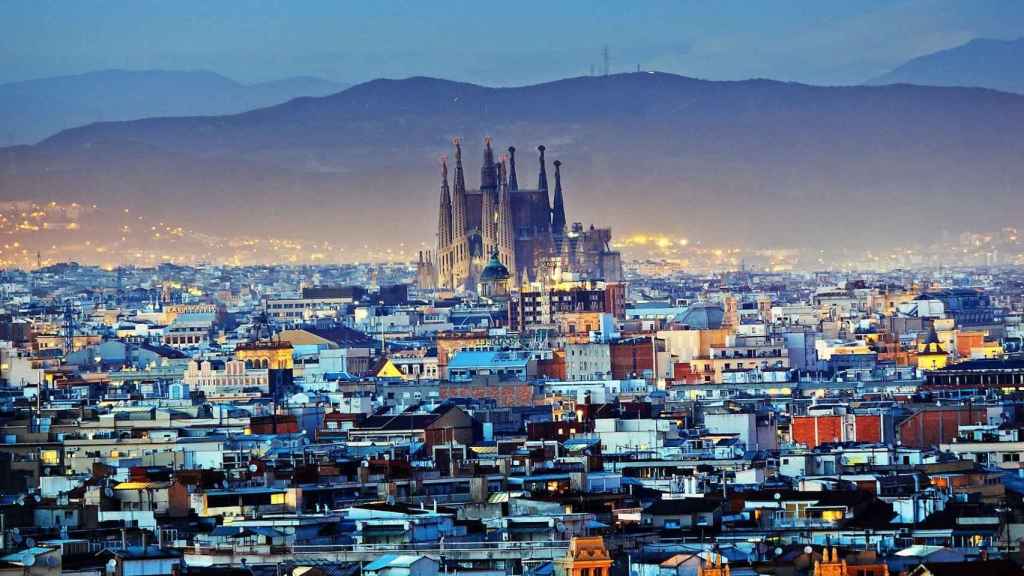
(542, 305)
(931, 355)
(275, 356)
(587, 556)
(528, 234)
(494, 279)
(714, 566)
(203, 377)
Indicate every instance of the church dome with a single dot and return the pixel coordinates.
(495, 271)
(702, 316)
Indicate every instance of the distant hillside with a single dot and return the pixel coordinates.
(755, 162)
(34, 109)
(985, 63)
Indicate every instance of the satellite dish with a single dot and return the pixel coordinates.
(111, 565)
(778, 551)
(808, 550)
(37, 498)
(253, 467)
(30, 542)
(21, 500)
(30, 560)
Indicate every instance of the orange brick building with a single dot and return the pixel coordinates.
(631, 357)
(813, 431)
(934, 426)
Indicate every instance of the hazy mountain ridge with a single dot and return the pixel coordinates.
(983, 62)
(729, 162)
(34, 109)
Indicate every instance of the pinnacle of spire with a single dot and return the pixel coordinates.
(460, 181)
(488, 172)
(513, 184)
(502, 172)
(445, 193)
(542, 179)
(558, 210)
(460, 178)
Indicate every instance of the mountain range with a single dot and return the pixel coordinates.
(752, 163)
(983, 62)
(34, 109)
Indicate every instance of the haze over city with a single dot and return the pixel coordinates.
(82, 87)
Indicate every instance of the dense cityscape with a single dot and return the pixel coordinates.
(363, 418)
(553, 289)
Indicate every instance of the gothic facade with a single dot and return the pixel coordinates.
(526, 229)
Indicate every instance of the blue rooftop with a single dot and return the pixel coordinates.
(489, 358)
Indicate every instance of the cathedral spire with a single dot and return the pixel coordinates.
(502, 173)
(558, 210)
(488, 171)
(444, 229)
(513, 184)
(488, 200)
(459, 199)
(542, 179)
(542, 216)
(505, 226)
(445, 224)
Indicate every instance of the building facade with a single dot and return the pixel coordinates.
(525, 229)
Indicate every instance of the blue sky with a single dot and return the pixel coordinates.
(495, 43)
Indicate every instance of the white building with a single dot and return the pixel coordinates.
(202, 377)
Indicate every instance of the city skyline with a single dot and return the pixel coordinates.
(580, 288)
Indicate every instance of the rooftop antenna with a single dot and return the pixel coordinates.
(606, 58)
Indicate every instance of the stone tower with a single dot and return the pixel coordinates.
(444, 231)
(489, 201)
